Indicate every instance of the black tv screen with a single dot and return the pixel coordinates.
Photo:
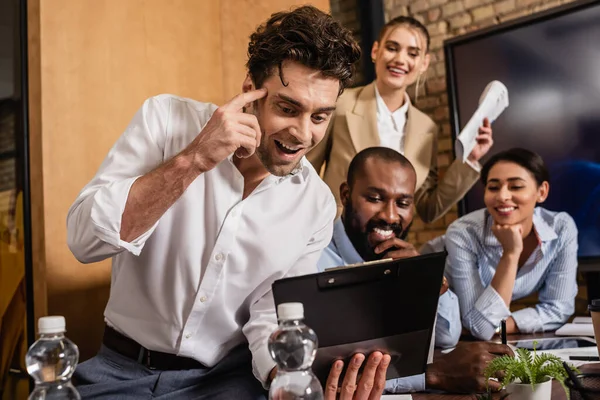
(550, 64)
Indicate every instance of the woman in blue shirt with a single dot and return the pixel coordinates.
(511, 249)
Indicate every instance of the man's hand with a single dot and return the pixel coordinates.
(510, 237)
(370, 385)
(229, 130)
(461, 370)
(484, 141)
(396, 248)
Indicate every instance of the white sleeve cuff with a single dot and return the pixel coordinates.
(475, 165)
(489, 310)
(491, 305)
(106, 213)
(409, 384)
(528, 320)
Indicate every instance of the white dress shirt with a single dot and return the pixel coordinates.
(198, 282)
(390, 125)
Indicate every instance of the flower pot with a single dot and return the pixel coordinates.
(523, 391)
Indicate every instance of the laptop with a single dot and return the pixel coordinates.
(389, 307)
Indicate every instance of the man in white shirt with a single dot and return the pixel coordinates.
(202, 208)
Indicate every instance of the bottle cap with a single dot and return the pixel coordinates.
(52, 324)
(290, 311)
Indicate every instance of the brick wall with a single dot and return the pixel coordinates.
(445, 19)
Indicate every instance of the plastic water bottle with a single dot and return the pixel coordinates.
(293, 346)
(51, 361)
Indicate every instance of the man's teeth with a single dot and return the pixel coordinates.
(506, 209)
(288, 147)
(383, 233)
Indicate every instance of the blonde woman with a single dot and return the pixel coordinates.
(381, 114)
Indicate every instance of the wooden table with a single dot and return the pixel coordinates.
(557, 391)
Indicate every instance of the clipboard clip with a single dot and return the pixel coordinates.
(362, 264)
(343, 275)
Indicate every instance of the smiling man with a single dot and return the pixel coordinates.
(202, 208)
(378, 200)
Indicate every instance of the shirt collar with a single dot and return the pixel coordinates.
(383, 110)
(301, 171)
(343, 244)
(542, 228)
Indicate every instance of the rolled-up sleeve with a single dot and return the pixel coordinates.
(263, 318)
(557, 294)
(482, 309)
(94, 219)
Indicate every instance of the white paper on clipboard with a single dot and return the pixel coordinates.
(492, 103)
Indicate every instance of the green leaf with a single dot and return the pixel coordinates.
(528, 368)
(542, 362)
(527, 362)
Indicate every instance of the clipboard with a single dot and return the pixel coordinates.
(390, 307)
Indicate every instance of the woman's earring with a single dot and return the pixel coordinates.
(373, 60)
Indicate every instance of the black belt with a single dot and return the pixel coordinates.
(149, 358)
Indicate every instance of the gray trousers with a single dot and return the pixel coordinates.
(110, 375)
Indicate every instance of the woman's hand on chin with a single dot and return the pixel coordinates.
(510, 237)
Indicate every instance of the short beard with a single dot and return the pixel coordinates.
(359, 239)
(266, 159)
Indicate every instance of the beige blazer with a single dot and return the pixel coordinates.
(354, 127)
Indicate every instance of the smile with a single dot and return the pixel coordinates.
(397, 71)
(383, 234)
(506, 209)
(287, 149)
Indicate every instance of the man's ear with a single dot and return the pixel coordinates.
(344, 193)
(248, 85)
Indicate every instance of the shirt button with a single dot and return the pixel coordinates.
(188, 335)
(203, 299)
(219, 256)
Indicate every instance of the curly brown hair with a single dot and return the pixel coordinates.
(308, 36)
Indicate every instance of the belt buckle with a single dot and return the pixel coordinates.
(144, 358)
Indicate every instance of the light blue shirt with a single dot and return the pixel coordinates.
(341, 251)
(474, 253)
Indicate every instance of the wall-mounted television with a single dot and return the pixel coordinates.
(550, 64)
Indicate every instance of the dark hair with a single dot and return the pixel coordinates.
(308, 36)
(527, 159)
(383, 153)
(407, 21)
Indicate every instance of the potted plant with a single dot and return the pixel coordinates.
(528, 375)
